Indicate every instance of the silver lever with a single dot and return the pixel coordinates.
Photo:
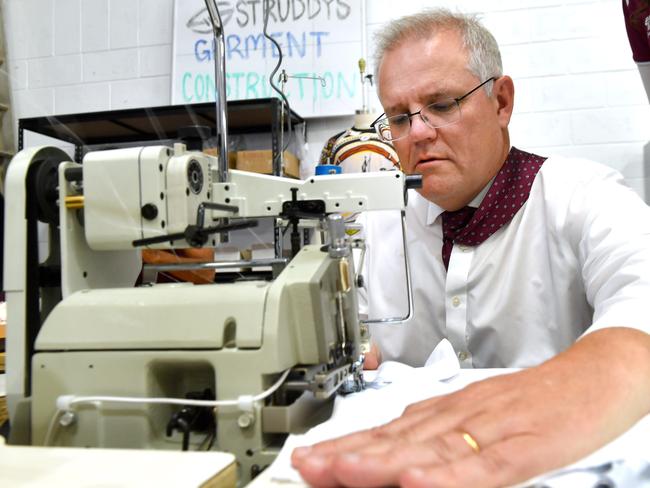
(221, 103)
(409, 292)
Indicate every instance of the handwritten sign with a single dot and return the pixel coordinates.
(318, 38)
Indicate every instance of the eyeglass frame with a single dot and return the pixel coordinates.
(373, 125)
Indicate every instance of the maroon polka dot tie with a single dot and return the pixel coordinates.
(510, 190)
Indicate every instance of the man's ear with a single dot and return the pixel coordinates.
(504, 95)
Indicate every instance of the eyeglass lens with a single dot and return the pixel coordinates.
(437, 114)
(442, 112)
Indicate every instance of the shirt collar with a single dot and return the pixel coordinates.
(434, 211)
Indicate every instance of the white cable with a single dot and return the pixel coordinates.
(51, 429)
(244, 402)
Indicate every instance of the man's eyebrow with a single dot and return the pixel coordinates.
(395, 110)
(437, 93)
(424, 99)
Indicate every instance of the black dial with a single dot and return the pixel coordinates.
(195, 176)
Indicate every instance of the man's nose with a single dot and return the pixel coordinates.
(421, 131)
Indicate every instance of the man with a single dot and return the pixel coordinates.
(558, 282)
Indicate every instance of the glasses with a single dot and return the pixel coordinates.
(442, 112)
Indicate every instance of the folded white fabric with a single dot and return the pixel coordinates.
(393, 387)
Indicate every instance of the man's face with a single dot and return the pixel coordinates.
(457, 160)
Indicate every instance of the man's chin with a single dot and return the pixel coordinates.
(435, 194)
(429, 194)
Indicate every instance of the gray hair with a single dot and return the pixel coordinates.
(483, 51)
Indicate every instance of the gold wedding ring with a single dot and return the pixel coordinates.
(471, 442)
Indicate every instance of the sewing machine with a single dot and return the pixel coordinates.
(295, 337)
(95, 361)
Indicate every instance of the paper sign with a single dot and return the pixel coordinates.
(318, 38)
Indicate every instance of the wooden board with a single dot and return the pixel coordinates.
(77, 467)
(4, 413)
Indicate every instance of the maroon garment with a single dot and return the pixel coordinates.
(508, 193)
(452, 225)
(637, 23)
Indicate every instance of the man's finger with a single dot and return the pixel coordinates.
(361, 439)
(418, 426)
(316, 470)
(508, 462)
(372, 358)
(382, 465)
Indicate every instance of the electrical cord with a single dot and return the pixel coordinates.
(65, 403)
(208, 441)
(267, 11)
(244, 402)
(51, 428)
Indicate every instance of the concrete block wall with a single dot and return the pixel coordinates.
(578, 91)
(68, 56)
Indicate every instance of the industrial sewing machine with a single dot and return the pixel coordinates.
(213, 349)
(95, 361)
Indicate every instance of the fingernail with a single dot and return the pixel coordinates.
(351, 458)
(315, 462)
(415, 473)
(301, 452)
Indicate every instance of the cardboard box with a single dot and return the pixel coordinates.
(214, 151)
(261, 162)
(227, 253)
(263, 251)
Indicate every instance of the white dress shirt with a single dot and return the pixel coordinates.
(575, 258)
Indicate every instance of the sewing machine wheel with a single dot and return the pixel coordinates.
(46, 183)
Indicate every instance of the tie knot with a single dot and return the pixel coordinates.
(454, 222)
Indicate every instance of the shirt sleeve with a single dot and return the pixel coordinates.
(614, 250)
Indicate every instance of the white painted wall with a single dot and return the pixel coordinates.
(578, 91)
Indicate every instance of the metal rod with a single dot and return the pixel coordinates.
(284, 77)
(252, 263)
(221, 103)
(409, 291)
(200, 212)
(277, 238)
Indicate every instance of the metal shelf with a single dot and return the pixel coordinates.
(156, 123)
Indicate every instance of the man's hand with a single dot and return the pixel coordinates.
(525, 423)
(372, 358)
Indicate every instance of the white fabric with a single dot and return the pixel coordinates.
(575, 258)
(407, 385)
(391, 388)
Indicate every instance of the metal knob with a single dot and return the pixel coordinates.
(338, 246)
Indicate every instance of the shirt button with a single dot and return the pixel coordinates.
(462, 355)
(455, 301)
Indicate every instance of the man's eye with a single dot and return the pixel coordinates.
(442, 106)
(398, 120)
